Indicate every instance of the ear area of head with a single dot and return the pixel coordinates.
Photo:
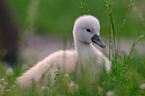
(87, 19)
(87, 22)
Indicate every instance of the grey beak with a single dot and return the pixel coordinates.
(97, 40)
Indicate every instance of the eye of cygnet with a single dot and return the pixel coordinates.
(88, 30)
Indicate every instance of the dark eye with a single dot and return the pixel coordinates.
(88, 30)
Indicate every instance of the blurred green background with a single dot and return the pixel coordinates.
(56, 17)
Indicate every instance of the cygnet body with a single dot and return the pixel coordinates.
(86, 30)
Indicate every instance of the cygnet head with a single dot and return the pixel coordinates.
(87, 30)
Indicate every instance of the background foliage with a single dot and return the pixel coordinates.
(57, 16)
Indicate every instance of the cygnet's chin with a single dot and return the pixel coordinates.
(85, 42)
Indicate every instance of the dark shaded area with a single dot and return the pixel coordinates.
(8, 35)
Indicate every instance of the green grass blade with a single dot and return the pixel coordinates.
(134, 44)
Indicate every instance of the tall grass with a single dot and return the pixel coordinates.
(112, 37)
(134, 43)
(84, 7)
(113, 45)
(32, 15)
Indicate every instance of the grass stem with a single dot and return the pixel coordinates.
(134, 44)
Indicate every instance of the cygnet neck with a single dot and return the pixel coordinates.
(79, 45)
(85, 50)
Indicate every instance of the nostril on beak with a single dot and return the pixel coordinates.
(97, 40)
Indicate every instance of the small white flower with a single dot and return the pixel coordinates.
(8, 90)
(43, 88)
(13, 86)
(100, 90)
(73, 87)
(109, 93)
(71, 84)
(76, 86)
(67, 78)
(2, 79)
(5, 83)
(66, 75)
(142, 86)
(10, 71)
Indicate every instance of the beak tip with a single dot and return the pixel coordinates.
(104, 46)
(97, 40)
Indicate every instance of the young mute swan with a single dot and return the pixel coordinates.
(85, 32)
